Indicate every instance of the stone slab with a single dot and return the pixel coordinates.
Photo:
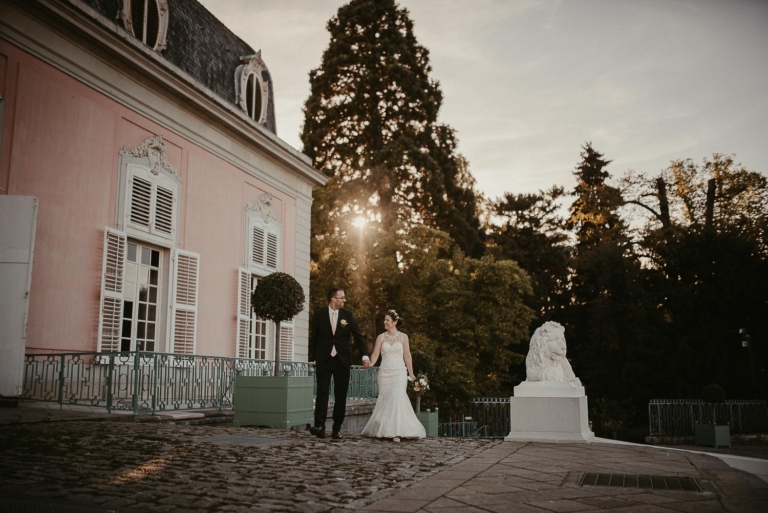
(549, 419)
(548, 389)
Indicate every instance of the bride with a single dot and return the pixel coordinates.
(393, 415)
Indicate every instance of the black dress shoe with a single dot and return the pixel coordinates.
(336, 435)
(318, 432)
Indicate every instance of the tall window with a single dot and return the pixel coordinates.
(141, 311)
(258, 332)
(253, 97)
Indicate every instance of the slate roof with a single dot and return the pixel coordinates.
(202, 46)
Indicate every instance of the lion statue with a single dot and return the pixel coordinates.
(546, 359)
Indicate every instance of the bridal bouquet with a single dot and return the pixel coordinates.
(421, 384)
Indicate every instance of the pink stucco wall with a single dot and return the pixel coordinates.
(60, 142)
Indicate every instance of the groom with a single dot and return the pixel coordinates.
(330, 344)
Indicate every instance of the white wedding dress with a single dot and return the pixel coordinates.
(393, 415)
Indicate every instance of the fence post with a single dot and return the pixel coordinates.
(221, 383)
(154, 383)
(136, 363)
(61, 383)
(110, 375)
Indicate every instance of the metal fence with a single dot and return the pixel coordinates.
(149, 382)
(679, 416)
(363, 384)
(487, 417)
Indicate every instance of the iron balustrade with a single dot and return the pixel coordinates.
(488, 417)
(363, 384)
(149, 382)
(679, 416)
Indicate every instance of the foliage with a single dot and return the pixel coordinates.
(713, 394)
(278, 297)
(533, 234)
(422, 363)
(468, 314)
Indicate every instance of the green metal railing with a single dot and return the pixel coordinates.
(486, 417)
(149, 382)
(679, 416)
(363, 384)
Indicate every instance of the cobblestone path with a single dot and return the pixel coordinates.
(164, 467)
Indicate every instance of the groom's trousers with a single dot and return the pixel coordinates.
(331, 368)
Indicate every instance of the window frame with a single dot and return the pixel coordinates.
(148, 162)
(252, 66)
(126, 14)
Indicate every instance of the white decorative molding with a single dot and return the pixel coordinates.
(263, 206)
(162, 29)
(154, 150)
(252, 65)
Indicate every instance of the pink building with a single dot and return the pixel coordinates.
(143, 188)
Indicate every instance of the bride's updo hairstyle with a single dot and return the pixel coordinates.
(395, 317)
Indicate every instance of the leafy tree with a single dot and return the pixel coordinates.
(278, 297)
(469, 314)
(704, 238)
(531, 231)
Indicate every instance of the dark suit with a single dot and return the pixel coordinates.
(320, 344)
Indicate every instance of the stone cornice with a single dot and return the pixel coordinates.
(115, 45)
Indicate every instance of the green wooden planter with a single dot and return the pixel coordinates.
(276, 401)
(428, 419)
(712, 435)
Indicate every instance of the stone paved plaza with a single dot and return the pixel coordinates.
(123, 466)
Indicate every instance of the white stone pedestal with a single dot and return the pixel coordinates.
(546, 411)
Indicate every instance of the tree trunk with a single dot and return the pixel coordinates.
(277, 349)
(663, 203)
(710, 212)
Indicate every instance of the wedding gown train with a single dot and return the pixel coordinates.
(393, 414)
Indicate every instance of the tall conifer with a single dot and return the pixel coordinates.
(371, 125)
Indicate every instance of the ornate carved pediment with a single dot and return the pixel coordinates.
(252, 65)
(264, 207)
(154, 150)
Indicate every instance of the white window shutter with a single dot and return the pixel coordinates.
(243, 312)
(151, 202)
(286, 341)
(139, 212)
(257, 236)
(112, 285)
(184, 288)
(272, 246)
(164, 218)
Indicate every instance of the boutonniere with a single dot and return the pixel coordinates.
(343, 322)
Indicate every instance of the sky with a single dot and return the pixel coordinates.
(527, 83)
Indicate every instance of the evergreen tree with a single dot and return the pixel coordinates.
(594, 213)
(371, 125)
(611, 324)
(532, 233)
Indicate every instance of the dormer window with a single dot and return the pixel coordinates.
(253, 97)
(252, 87)
(147, 20)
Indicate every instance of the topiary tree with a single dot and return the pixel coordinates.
(713, 394)
(278, 298)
